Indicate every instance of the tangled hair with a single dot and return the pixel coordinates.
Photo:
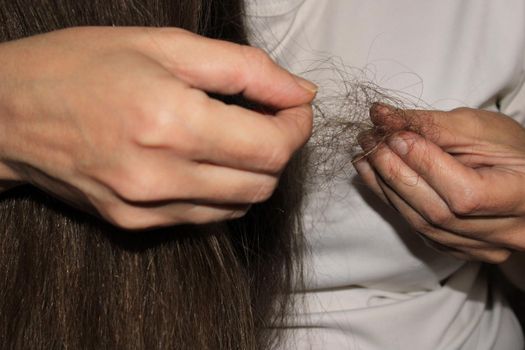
(347, 99)
(70, 281)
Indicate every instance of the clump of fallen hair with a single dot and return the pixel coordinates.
(344, 112)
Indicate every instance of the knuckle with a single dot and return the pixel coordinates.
(463, 111)
(251, 58)
(265, 191)
(145, 121)
(171, 32)
(123, 217)
(150, 121)
(439, 217)
(277, 158)
(153, 117)
(420, 150)
(422, 226)
(497, 256)
(411, 180)
(465, 114)
(135, 188)
(464, 202)
(303, 124)
(237, 214)
(198, 107)
(255, 56)
(206, 217)
(392, 172)
(425, 158)
(143, 126)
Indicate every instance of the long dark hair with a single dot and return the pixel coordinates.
(68, 280)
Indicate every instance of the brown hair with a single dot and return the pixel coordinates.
(68, 280)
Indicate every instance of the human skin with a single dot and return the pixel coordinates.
(459, 181)
(117, 122)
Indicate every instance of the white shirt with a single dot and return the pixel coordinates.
(372, 283)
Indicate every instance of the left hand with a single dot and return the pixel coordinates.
(459, 181)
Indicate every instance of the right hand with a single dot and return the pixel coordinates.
(116, 121)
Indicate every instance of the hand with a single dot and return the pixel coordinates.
(460, 183)
(116, 121)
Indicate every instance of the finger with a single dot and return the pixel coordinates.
(227, 68)
(443, 248)
(207, 130)
(451, 130)
(439, 126)
(367, 174)
(467, 191)
(390, 120)
(491, 230)
(424, 197)
(409, 185)
(456, 253)
(426, 228)
(247, 140)
(505, 232)
(492, 256)
(232, 136)
(156, 176)
(454, 244)
(219, 185)
(148, 217)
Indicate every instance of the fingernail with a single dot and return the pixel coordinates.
(398, 145)
(382, 109)
(306, 84)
